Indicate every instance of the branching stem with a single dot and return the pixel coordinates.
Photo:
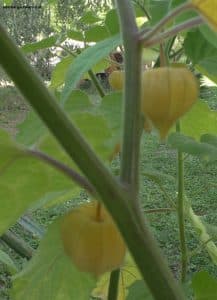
(144, 36)
(194, 22)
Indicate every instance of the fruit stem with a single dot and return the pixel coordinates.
(168, 18)
(113, 285)
(180, 211)
(96, 82)
(194, 22)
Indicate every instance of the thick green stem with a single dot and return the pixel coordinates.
(181, 213)
(140, 242)
(113, 285)
(132, 111)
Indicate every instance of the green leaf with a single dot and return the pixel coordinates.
(158, 9)
(86, 60)
(95, 130)
(199, 120)
(129, 274)
(7, 2)
(112, 21)
(31, 130)
(24, 180)
(43, 44)
(78, 102)
(197, 48)
(209, 34)
(184, 16)
(5, 259)
(111, 107)
(206, 73)
(138, 290)
(96, 33)
(75, 35)
(50, 274)
(89, 18)
(59, 72)
(99, 67)
(209, 139)
(204, 286)
(202, 53)
(56, 198)
(190, 146)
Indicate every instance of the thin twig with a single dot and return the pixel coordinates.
(194, 22)
(90, 72)
(159, 210)
(158, 27)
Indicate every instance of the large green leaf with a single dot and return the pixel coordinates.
(23, 180)
(78, 102)
(129, 274)
(89, 18)
(75, 35)
(51, 199)
(202, 53)
(209, 139)
(7, 2)
(138, 290)
(43, 44)
(184, 15)
(112, 22)
(204, 286)
(59, 72)
(209, 35)
(199, 120)
(51, 275)
(31, 130)
(111, 107)
(96, 33)
(86, 60)
(158, 9)
(189, 145)
(95, 130)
